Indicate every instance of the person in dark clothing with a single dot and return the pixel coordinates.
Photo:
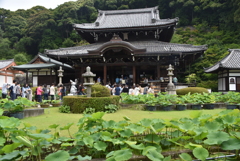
(117, 90)
(125, 89)
(63, 91)
(80, 90)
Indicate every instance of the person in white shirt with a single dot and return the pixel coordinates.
(52, 91)
(150, 90)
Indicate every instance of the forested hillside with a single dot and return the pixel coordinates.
(24, 33)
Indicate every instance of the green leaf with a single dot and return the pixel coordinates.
(99, 145)
(218, 136)
(10, 156)
(200, 153)
(10, 147)
(133, 145)
(80, 158)
(126, 133)
(120, 155)
(154, 155)
(167, 158)
(212, 126)
(58, 156)
(185, 157)
(145, 151)
(98, 115)
(53, 126)
(159, 126)
(229, 119)
(2, 141)
(152, 138)
(146, 122)
(88, 140)
(186, 126)
(231, 144)
(66, 127)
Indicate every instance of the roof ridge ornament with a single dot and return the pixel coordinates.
(116, 37)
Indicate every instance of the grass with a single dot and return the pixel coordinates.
(52, 116)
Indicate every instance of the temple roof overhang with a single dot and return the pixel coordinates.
(137, 48)
(42, 62)
(231, 61)
(127, 19)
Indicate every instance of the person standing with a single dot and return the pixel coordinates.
(117, 90)
(150, 90)
(12, 90)
(52, 91)
(145, 90)
(63, 91)
(80, 89)
(25, 90)
(99, 80)
(4, 90)
(39, 93)
(175, 80)
(45, 92)
(18, 90)
(125, 89)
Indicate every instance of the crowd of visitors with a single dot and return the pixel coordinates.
(15, 90)
(117, 89)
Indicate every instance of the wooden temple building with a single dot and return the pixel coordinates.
(132, 43)
(228, 70)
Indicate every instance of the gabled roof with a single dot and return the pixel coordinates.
(149, 48)
(47, 63)
(231, 61)
(130, 18)
(6, 64)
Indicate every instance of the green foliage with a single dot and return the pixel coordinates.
(191, 90)
(64, 109)
(79, 104)
(99, 90)
(98, 138)
(111, 108)
(89, 111)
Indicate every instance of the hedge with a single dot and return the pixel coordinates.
(78, 104)
(191, 90)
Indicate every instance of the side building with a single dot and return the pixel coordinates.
(228, 70)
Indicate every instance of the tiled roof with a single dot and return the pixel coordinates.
(152, 47)
(5, 63)
(231, 61)
(145, 17)
(49, 63)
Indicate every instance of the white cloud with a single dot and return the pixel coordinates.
(14, 5)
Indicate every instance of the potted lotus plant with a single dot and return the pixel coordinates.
(180, 103)
(209, 100)
(151, 104)
(232, 100)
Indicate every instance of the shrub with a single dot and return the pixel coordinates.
(64, 109)
(111, 108)
(99, 90)
(191, 90)
(79, 104)
(213, 85)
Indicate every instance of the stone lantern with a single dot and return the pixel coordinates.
(171, 89)
(88, 80)
(60, 75)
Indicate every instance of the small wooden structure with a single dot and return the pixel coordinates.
(228, 70)
(7, 73)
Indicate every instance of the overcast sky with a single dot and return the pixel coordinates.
(14, 5)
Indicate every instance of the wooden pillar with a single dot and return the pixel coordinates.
(82, 71)
(105, 74)
(158, 72)
(134, 74)
(51, 76)
(27, 77)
